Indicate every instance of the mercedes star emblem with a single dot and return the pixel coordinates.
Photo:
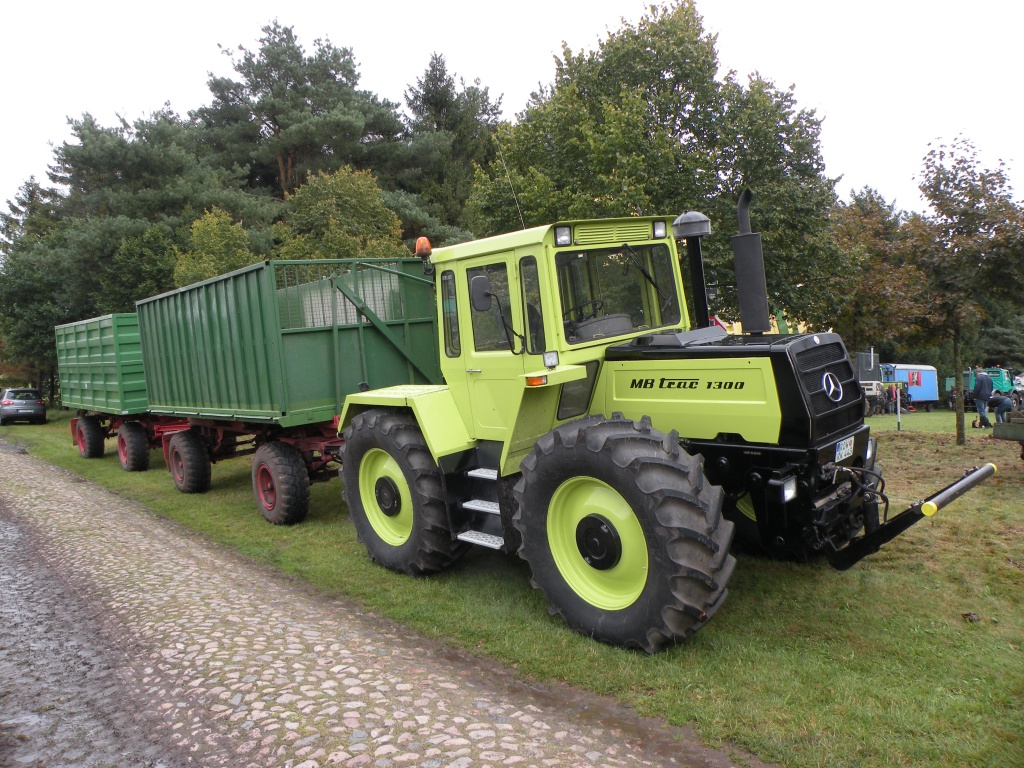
(833, 388)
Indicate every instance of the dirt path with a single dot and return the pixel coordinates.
(126, 640)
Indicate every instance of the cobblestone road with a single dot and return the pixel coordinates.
(126, 640)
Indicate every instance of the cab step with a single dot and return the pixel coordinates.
(482, 539)
(482, 505)
(483, 473)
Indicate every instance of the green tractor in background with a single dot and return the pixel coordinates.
(586, 424)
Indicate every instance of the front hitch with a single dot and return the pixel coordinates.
(869, 543)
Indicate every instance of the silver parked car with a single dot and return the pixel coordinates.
(22, 405)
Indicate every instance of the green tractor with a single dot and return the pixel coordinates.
(587, 426)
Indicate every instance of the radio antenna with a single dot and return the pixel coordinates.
(501, 156)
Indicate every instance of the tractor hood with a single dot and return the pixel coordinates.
(808, 376)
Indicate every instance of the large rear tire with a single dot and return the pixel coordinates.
(394, 494)
(189, 462)
(280, 483)
(133, 447)
(89, 436)
(622, 532)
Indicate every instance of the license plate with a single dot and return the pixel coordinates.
(24, 410)
(844, 449)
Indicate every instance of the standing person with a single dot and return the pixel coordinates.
(982, 393)
(1001, 405)
(892, 399)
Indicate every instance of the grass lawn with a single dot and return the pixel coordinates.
(803, 666)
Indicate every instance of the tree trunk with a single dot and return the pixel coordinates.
(958, 376)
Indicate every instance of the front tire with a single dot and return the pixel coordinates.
(622, 532)
(89, 436)
(394, 494)
(280, 483)
(133, 447)
(189, 462)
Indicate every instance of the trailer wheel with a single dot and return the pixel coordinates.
(133, 447)
(622, 532)
(89, 436)
(189, 462)
(280, 483)
(394, 494)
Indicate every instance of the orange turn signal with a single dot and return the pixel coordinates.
(536, 381)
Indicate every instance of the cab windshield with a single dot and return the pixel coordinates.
(615, 291)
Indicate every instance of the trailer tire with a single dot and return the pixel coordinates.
(89, 436)
(133, 447)
(623, 533)
(395, 494)
(280, 483)
(189, 462)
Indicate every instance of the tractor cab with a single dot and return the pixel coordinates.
(535, 309)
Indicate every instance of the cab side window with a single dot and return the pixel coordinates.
(532, 306)
(450, 314)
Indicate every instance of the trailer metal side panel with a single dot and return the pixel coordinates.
(284, 342)
(100, 365)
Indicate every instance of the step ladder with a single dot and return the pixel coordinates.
(480, 538)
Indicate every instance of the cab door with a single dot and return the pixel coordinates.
(493, 347)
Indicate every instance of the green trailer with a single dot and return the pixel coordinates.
(102, 377)
(100, 365)
(283, 342)
(260, 361)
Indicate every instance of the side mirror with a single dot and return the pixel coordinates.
(480, 293)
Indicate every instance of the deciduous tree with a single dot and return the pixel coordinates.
(968, 245)
(217, 245)
(339, 216)
(643, 125)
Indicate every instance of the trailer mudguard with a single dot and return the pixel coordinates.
(434, 408)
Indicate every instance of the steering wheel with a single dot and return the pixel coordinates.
(595, 305)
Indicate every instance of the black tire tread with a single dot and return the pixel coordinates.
(90, 433)
(291, 483)
(685, 518)
(136, 443)
(195, 462)
(431, 547)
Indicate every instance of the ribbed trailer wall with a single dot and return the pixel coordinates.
(100, 365)
(286, 341)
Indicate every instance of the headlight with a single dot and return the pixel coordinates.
(659, 230)
(788, 489)
(563, 236)
(869, 453)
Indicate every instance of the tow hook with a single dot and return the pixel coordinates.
(856, 550)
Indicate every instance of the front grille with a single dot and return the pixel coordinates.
(829, 417)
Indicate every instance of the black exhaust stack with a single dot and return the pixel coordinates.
(748, 259)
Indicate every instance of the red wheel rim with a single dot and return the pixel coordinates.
(177, 466)
(81, 439)
(122, 449)
(265, 487)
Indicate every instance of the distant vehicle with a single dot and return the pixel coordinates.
(922, 383)
(874, 397)
(1002, 381)
(22, 405)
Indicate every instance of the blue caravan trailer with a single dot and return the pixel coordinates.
(921, 381)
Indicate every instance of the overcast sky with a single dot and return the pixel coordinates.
(887, 77)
